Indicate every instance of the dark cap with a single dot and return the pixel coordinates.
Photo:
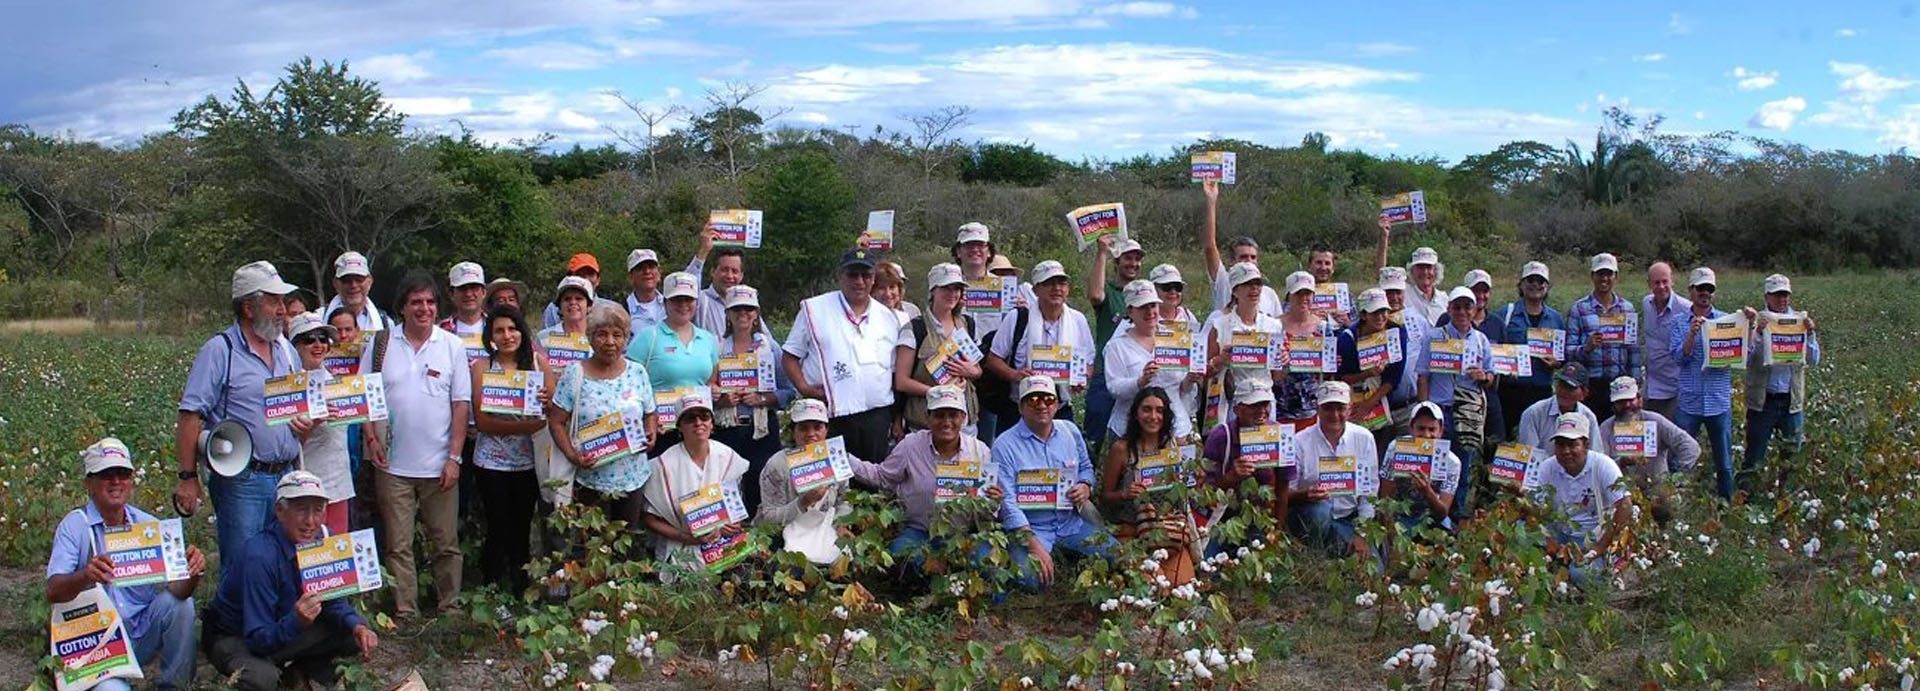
(1573, 374)
(859, 257)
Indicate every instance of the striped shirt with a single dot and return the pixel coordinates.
(1606, 362)
(1703, 392)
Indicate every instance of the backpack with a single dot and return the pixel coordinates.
(995, 393)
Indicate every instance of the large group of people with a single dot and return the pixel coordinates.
(1307, 392)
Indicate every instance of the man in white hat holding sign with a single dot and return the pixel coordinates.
(1704, 394)
(352, 284)
(1597, 326)
(1025, 456)
(467, 286)
(1326, 520)
(1427, 300)
(227, 381)
(1776, 394)
(1674, 449)
(261, 626)
(1246, 250)
(159, 616)
(1588, 506)
(1050, 322)
(1109, 300)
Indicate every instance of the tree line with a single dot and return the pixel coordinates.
(320, 163)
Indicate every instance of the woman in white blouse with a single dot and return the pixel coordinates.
(691, 466)
(1130, 365)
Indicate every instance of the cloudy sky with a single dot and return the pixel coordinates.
(1104, 78)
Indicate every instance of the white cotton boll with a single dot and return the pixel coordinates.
(1026, 682)
(1839, 525)
(1784, 544)
(1427, 619)
(602, 666)
(1496, 680)
(1812, 547)
(840, 612)
(1873, 523)
(1216, 659)
(1109, 605)
(1243, 656)
(1879, 568)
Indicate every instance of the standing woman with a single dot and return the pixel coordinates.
(890, 288)
(1130, 366)
(1295, 394)
(1241, 315)
(921, 341)
(694, 463)
(1174, 313)
(324, 452)
(1147, 433)
(676, 353)
(602, 385)
(574, 299)
(503, 451)
(1377, 385)
(749, 423)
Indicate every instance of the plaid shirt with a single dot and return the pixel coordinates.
(1702, 392)
(1606, 362)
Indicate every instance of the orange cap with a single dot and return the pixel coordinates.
(583, 260)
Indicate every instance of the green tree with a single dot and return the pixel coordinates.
(495, 212)
(809, 216)
(1014, 164)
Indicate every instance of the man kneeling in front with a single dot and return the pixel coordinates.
(261, 627)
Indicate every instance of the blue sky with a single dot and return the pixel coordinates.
(1098, 78)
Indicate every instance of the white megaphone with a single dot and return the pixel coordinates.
(227, 448)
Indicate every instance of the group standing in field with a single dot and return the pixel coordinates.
(677, 411)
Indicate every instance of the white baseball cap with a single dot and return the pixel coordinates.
(350, 264)
(1460, 293)
(573, 283)
(298, 484)
(1336, 391)
(259, 277)
(1242, 273)
(106, 453)
(1623, 388)
(1036, 384)
(1141, 293)
(1477, 277)
(1424, 255)
(1535, 269)
(946, 397)
(1253, 391)
(466, 274)
(1702, 276)
(1299, 281)
(695, 397)
(1393, 278)
(1430, 409)
(1124, 245)
(638, 257)
(1047, 271)
(807, 410)
(1603, 262)
(1164, 274)
(301, 323)
(1777, 283)
(681, 284)
(1570, 426)
(973, 232)
(946, 274)
(1373, 300)
(743, 296)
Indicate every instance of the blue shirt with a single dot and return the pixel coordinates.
(1703, 392)
(1663, 368)
(80, 536)
(1394, 376)
(1606, 362)
(227, 358)
(255, 601)
(672, 364)
(1514, 322)
(1440, 386)
(1020, 449)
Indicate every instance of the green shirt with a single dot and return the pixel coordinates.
(1106, 318)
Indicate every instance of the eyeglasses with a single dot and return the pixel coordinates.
(1170, 287)
(1707, 288)
(310, 340)
(1041, 400)
(697, 416)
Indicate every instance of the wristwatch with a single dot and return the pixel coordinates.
(189, 475)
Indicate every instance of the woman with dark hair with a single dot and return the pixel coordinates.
(503, 450)
(1149, 435)
(749, 421)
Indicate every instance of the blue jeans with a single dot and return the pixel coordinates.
(1761, 426)
(1467, 457)
(1315, 524)
(170, 638)
(1720, 435)
(1087, 541)
(242, 505)
(987, 427)
(1099, 407)
(908, 550)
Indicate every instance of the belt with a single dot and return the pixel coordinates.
(270, 466)
(1779, 395)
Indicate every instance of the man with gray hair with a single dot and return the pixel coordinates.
(227, 381)
(1663, 369)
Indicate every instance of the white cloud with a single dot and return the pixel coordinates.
(1678, 25)
(430, 106)
(1699, 115)
(1751, 80)
(1650, 57)
(560, 56)
(1845, 33)
(394, 68)
(1382, 49)
(892, 48)
(1863, 84)
(1778, 115)
(1137, 9)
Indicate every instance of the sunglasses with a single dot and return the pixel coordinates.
(1170, 287)
(310, 340)
(697, 416)
(1706, 288)
(1041, 400)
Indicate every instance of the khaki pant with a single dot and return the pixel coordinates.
(401, 500)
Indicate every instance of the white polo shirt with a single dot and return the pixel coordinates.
(852, 361)
(422, 386)
(1357, 442)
